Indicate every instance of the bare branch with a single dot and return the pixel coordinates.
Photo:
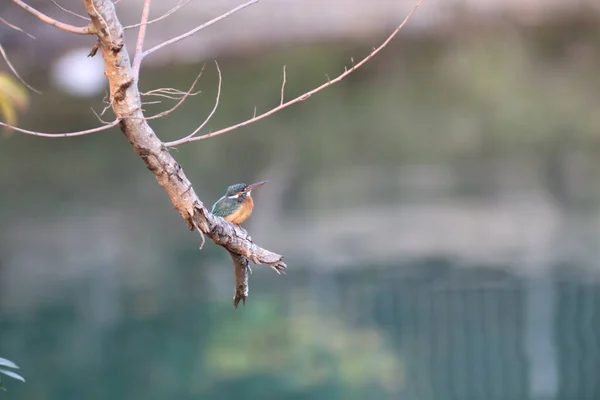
(14, 71)
(199, 28)
(304, 96)
(139, 46)
(165, 15)
(85, 30)
(16, 28)
(213, 110)
(126, 102)
(61, 135)
(283, 86)
(69, 11)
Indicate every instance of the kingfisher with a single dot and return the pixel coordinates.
(237, 204)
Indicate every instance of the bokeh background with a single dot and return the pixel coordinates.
(438, 209)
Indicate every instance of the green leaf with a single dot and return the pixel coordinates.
(12, 374)
(7, 363)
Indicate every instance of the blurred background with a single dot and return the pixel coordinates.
(439, 209)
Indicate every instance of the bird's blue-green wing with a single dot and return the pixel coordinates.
(220, 208)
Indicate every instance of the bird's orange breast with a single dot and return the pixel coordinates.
(243, 212)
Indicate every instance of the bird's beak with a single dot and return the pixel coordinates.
(255, 185)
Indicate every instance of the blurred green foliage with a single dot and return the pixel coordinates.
(13, 97)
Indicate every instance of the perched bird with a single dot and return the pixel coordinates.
(237, 204)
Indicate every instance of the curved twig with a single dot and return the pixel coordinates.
(284, 80)
(61, 135)
(169, 93)
(14, 71)
(16, 28)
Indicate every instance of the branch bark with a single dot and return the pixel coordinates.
(242, 275)
(126, 103)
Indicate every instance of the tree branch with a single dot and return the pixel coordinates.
(199, 28)
(302, 97)
(126, 102)
(85, 30)
(139, 46)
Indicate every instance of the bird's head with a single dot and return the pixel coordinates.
(241, 190)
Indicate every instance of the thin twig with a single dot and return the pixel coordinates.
(169, 93)
(16, 28)
(61, 135)
(213, 110)
(283, 86)
(167, 90)
(188, 93)
(14, 71)
(69, 11)
(139, 46)
(165, 15)
(304, 96)
(83, 30)
(107, 107)
(199, 28)
(98, 116)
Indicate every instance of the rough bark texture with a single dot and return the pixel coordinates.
(242, 275)
(126, 103)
